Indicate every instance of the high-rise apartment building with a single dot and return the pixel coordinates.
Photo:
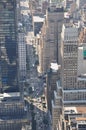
(50, 37)
(73, 80)
(8, 46)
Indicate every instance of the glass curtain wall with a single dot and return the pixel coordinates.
(8, 46)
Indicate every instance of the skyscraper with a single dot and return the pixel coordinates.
(70, 53)
(69, 65)
(73, 75)
(50, 40)
(8, 46)
(12, 107)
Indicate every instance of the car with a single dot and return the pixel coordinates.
(33, 65)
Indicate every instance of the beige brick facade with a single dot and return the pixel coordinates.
(50, 37)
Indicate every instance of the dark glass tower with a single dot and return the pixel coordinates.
(8, 46)
(12, 107)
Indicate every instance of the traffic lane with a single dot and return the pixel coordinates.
(27, 42)
(32, 75)
(40, 117)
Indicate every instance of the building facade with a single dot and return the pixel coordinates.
(12, 115)
(21, 56)
(8, 46)
(50, 37)
(73, 79)
(57, 106)
(12, 109)
(52, 77)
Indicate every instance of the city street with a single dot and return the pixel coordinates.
(33, 81)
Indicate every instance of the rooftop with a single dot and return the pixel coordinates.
(81, 118)
(10, 95)
(81, 109)
(38, 19)
(15, 94)
(77, 115)
(54, 67)
(75, 110)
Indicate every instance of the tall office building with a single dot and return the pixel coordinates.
(50, 37)
(8, 46)
(52, 76)
(71, 88)
(57, 106)
(70, 53)
(69, 56)
(12, 107)
(12, 112)
(73, 77)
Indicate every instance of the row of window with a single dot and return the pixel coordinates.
(75, 96)
(70, 48)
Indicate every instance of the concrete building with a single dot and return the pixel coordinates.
(75, 118)
(71, 88)
(50, 37)
(57, 107)
(74, 85)
(52, 76)
(72, 117)
(12, 112)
